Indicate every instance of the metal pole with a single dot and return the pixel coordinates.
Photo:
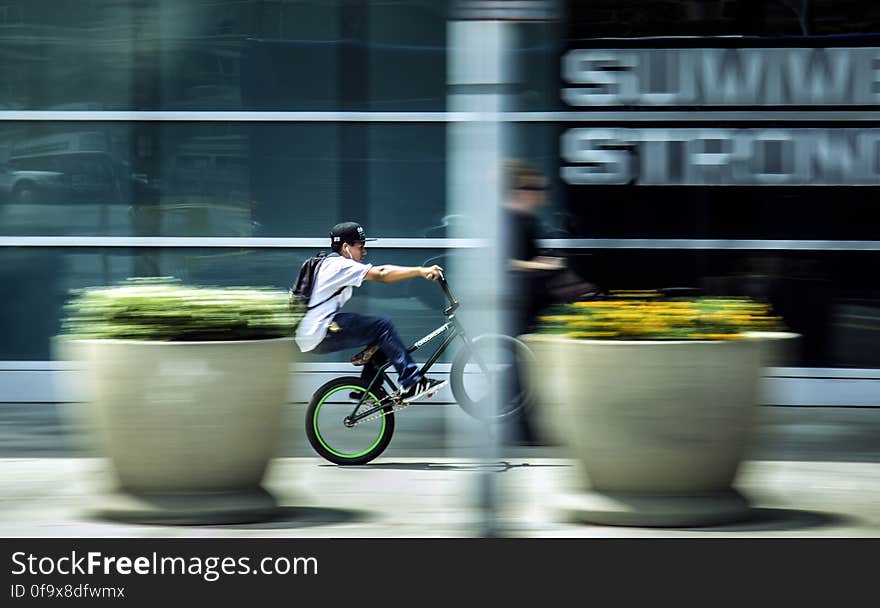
(476, 75)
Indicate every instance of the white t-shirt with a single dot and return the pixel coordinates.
(333, 273)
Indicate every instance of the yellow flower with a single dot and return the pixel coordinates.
(645, 314)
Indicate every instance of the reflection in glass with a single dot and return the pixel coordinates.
(36, 282)
(219, 179)
(226, 55)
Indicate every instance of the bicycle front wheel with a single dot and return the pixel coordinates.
(341, 444)
(492, 365)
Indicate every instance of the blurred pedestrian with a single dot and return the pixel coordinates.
(525, 269)
(528, 271)
(535, 280)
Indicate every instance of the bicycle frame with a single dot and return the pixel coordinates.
(452, 326)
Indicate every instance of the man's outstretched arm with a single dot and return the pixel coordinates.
(538, 263)
(388, 273)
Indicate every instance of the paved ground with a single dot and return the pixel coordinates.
(812, 472)
(833, 434)
(436, 497)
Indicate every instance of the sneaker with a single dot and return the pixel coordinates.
(423, 387)
(362, 357)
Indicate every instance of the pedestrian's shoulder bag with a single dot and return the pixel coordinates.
(565, 286)
(301, 292)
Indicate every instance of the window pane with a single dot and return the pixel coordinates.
(220, 179)
(642, 18)
(272, 55)
(36, 282)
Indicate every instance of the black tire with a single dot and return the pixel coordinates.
(506, 358)
(326, 430)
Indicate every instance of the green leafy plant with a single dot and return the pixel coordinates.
(166, 310)
(648, 315)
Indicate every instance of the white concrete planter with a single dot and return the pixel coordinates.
(779, 348)
(659, 428)
(188, 427)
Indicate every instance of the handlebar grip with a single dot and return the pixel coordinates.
(452, 301)
(445, 287)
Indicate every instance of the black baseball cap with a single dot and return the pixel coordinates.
(347, 232)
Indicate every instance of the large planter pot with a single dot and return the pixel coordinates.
(189, 428)
(779, 348)
(658, 428)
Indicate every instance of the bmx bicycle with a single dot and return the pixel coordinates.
(351, 422)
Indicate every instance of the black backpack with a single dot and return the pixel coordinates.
(302, 289)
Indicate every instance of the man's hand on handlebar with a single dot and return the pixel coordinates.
(431, 273)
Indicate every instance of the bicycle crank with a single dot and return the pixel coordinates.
(398, 405)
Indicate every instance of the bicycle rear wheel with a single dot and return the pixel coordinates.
(492, 364)
(326, 429)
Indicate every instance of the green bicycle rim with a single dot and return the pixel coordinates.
(321, 439)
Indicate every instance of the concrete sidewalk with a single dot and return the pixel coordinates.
(436, 497)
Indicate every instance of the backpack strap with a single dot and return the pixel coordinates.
(317, 268)
(336, 293)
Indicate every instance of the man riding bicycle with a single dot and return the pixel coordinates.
(324, 329)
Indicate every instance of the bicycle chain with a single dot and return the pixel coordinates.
(398, 405)
(395, 408)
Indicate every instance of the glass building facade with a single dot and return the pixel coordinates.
(132, 131)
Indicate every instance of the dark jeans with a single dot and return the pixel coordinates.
(362, 330)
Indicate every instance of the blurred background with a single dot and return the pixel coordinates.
(125, 172)
(222, 139)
